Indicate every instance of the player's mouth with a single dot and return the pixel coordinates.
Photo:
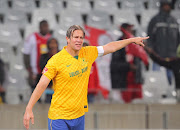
(78, 45)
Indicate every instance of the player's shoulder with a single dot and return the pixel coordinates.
(57, 55)
(89, 48)
(88, 51)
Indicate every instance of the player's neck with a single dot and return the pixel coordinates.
(72, 52)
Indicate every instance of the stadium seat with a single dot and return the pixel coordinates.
(9, 33)
(155, 85)
(17, 85)
(44, 14)
(26, 6)
(136, 5)
(177, 5)
(145, 19)
(115, 33)
(69, 18)
(16, 17)
(4, 5)
(108, 6)
(176, 14)
(125, 16)
(56, 5)
(153, 4)
(5, 51)
(99, 19)
(29, 29)
(82, 6)
(3, 9)
(60, 34)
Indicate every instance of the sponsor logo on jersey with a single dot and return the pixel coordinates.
(68, 65)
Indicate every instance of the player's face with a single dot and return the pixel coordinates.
(76, 40)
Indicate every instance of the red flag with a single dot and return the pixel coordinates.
(92, 35)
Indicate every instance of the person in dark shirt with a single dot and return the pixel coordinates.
(163, 30)
(170, 63)
(2, 79)
(52, 45)
(126, 69)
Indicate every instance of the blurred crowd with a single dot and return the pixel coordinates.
(126, 65)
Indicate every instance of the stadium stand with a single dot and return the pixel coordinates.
(60, 34)
(108, 6)
(56, 5)
(135, 5)
(26, 6)
(176, 14)
(78, 5)
(26, 14)
(29, 29)
(177, 5)
(44, 14)
(145, 19)
(121, 17)
(99, 19)
(69, 17)
(153, 4)
(17, 15)
(9, 32)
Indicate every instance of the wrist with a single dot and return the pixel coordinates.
(131, 40)
(29, 108)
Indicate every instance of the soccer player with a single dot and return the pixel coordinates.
(70, 69)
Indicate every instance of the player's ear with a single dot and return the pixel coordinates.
(68, 40)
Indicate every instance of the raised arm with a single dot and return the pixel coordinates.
(117, 45)
(41, 86)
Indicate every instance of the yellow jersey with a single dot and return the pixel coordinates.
(70, 82)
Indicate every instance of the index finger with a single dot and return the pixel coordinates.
(144, 38)
(32, 120)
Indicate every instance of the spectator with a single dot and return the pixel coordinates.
(178, 51)
(170, 63)
(52, 45)
(34, 46)
(163, 30)
(2, 79)
(126, 68)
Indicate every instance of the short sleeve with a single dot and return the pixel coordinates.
(29, 42)
(50, 69)
(92, 53)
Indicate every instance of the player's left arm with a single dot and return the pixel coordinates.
(117, 45)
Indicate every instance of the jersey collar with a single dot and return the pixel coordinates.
(67, 54)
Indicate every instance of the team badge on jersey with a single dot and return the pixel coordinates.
(44, 70)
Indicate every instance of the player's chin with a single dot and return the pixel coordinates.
(78, 47)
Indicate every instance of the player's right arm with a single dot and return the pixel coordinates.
(40, 88)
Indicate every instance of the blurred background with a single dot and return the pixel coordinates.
(134, 88)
